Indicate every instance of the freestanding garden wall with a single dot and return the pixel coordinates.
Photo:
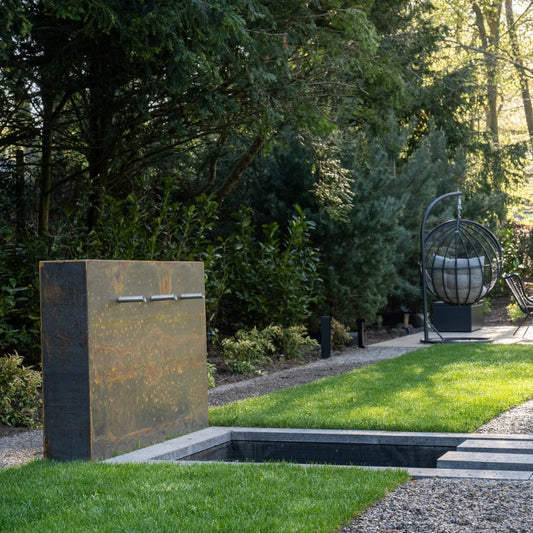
(124, 355)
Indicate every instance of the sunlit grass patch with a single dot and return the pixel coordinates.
(446, 387)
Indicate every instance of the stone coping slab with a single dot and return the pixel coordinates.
(483, 460)
(498, 446)
(180, 448)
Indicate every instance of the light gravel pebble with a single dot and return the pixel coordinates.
(458, 506)
(451, 506)
(517, 420)
(21, 448)
(418, 506)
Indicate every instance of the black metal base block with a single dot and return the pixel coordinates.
(457, 318)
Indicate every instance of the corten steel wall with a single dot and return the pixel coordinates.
(117, 376)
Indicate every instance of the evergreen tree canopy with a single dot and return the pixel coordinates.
(192, 89)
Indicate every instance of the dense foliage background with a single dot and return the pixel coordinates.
(292, 146)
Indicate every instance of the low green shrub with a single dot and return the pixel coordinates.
(291, 342)
(211, 371)
(340, 335)
(250, 348)
(247, 349)
(517, 243)
(514, 313)
(272, 275)
(20, 398)
(19, 295)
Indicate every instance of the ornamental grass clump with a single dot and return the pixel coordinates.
(20, 392)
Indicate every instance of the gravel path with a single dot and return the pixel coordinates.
(451, 506)
(21, 448)
(421, 506)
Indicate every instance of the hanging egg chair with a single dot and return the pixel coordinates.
(461, 260)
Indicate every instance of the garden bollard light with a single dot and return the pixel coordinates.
(325, 336)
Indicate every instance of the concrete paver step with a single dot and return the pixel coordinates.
(487, 461)
(496, 446)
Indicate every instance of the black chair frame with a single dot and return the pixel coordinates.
(524, 301)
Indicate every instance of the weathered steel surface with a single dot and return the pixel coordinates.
(120, 375)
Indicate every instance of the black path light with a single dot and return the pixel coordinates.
(460, 261)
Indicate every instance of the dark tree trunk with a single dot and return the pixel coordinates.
(519, 65)
(100, 138)
(20, 204)
(490, 18)
(46, 163)
(244, 161)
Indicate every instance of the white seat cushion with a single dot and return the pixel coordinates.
(458, 281)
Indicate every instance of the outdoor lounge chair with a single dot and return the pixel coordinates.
(460, 263)
(525, 302)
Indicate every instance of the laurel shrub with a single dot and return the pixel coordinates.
(20, 392)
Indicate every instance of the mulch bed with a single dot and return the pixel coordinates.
(8, 431)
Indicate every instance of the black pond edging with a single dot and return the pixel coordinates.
(387, 455)
(305, 446)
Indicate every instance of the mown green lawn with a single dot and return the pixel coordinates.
(442, 388)
(445, 387)
(46, 497)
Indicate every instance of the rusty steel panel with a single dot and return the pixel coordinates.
(124, 355)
